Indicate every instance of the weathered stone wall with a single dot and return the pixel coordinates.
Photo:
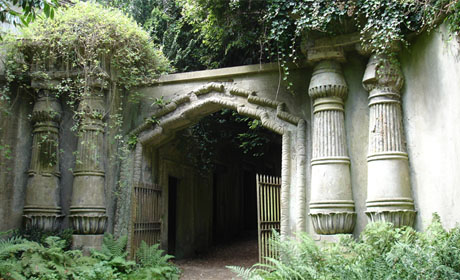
(15, 156)
(15, 139)
(431, 102)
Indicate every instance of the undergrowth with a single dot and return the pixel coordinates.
(382, 252)
(21, 258)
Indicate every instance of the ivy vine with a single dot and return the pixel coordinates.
(381, 23)
(81, 51)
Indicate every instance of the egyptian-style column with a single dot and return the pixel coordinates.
(331, 205)
(42, 208)
(88, 210)
(388, 191)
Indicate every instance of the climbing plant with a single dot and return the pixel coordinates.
(22, 12)
(83, 37)
(199, 34)
(380, 23)
(82, 46)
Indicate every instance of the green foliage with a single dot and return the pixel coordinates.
(382, 24)
(225, 127)
(24, 259)
(151, 255)
(453, 16)
(231, 31)
(85, 49)
(199, 34)
(91, 38)
(23, 12)
(132, 141)
(154, 264)
(112, 248)
(202, 34)
(382, 252)
(39, 236)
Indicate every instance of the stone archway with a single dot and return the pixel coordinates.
(186, 109)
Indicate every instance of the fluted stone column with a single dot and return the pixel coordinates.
(331, 205)
(42, 208)
(388, 192)
(88, 210)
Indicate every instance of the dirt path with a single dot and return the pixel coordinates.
(213, 265)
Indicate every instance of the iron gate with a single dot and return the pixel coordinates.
(268, 213)
(147, 219)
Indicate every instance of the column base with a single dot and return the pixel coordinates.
(333, 222)
(87, 242)
(398, 217)
(42, 222)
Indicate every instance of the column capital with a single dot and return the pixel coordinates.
(327, 81)
(46, 108)
(92, 106)
(383, 73)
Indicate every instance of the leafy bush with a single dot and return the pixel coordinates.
(382, 252)
(38, 235)
(24, 259)
(86, 43)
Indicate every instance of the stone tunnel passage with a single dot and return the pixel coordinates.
(210, 173)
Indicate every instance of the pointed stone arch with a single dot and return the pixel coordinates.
(186, 109)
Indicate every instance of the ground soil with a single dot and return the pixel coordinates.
(212, 265)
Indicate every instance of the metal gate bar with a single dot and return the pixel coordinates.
(148, 209)
(268, 213)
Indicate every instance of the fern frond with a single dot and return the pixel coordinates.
(250, 273)
(112, 247)
(151, 255)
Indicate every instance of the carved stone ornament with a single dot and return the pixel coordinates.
(42, 203)
(87, 210)
(331, 205)
(389, 195)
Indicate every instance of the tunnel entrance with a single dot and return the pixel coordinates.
(209, 171)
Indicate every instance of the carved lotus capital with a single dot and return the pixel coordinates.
(92, 106)
(43, 222)
(399, 218)
(333, 222)
(383, 73)
(327, 81)
(89, 224)
(46, 108)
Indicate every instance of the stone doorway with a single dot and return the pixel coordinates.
(211, 202)
(187, 108)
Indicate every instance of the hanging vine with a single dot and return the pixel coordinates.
(380, 23)
(82, 45)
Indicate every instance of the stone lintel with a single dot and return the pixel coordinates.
(327, 53)
(330, 47)
(222, 74)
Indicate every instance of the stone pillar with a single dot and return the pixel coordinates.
(42, 208)
(88, 211)
(331, 205)
(388, 191)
